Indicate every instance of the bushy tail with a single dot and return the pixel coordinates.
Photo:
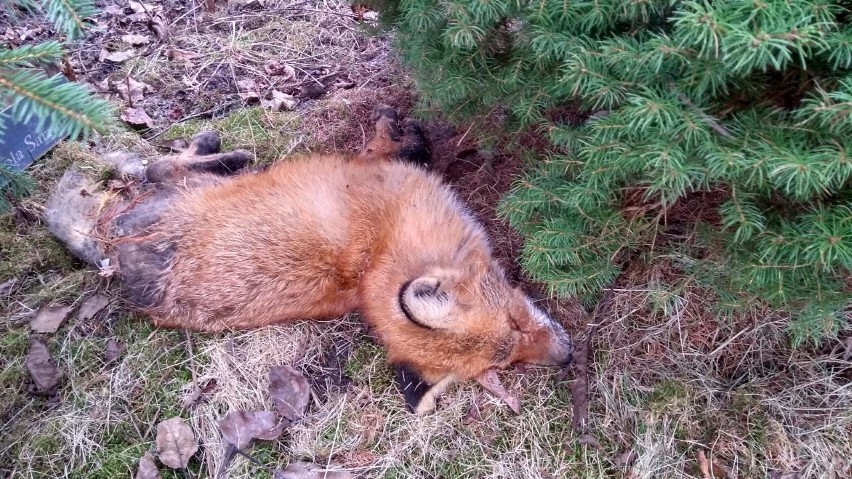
(72, 216)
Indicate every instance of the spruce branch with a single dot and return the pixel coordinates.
(12, 184)
(70, 15)
(700, 96)
(68, 106)
(31, 54)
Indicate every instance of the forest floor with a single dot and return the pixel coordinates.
(676, 389)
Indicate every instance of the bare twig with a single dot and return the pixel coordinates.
(709, 120)
(580, 366)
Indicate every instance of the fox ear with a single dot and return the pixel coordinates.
(427, 301)
(419, 395)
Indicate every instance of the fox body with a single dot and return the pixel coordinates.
(322, 236)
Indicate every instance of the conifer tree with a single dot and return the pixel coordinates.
(69, 107)
(751, 99)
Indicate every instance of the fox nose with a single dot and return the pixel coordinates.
(562, 348)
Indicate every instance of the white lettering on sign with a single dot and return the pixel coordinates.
(13, 158)
(34, 141)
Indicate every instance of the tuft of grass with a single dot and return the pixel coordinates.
(270, 135)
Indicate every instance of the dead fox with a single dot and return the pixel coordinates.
(203, 248)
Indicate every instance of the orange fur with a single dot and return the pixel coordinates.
(316, 238)
(320, 237)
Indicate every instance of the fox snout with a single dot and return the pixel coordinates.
(557, 351)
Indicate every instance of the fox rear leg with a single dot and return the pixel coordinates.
(392, 141)
(202, 156)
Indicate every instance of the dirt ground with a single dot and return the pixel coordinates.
(677, 388)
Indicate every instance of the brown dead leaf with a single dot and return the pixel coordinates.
(50, 318)
(92, 306)
(240, 428)
(247, 84)
(114, 350)
(179, 55)
(113, 10)
(116, 57)
(277, 68)
(711, 469)
(105, 269)
(289, 391)
(308, 470)
(131, 90)
(141, 7)
(280, 102)
(136, 40)
(198, 392)
(175, 443)
(42, 368)
(147, 468)
(248, 90)
(491, 382)
(137, 118)
(704, 465)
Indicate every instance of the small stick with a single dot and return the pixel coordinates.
(580, 366)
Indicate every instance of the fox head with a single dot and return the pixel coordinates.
(454, 324)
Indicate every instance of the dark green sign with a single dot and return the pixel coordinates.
(21, 143)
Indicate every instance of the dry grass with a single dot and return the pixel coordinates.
(672, 377)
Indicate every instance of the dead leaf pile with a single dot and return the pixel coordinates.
(50, 318)
(290, 392)
(153, 17)
(176, 443)
(17, 36)
(42, 368)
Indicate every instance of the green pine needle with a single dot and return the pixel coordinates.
(31, 55)
(70, 107)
